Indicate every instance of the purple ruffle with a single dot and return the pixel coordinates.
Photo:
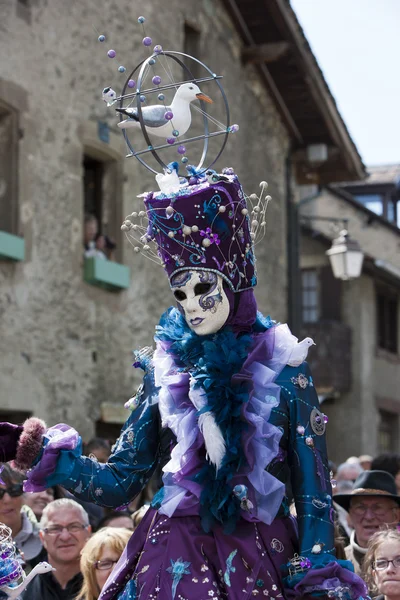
(59, 437)
(333, 577)
(261, 442)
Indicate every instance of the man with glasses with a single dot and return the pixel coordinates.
(64, 531)
(372, 505)
(23, 524)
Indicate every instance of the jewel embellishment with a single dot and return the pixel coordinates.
(317, 421)
(300, 381)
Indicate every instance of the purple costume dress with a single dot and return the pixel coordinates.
(212, 531)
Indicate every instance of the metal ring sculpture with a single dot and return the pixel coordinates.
(191, 79)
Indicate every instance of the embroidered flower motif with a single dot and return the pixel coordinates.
(300, 381)
(205, 580)
(209, 235)
(300, 429)
(277, 545)
(211, 593)
(98, 492)
(195, 580)
(130, 436)
(178, 569)
(203, 568)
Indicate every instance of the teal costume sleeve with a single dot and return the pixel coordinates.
(308, 463)
(131, 464)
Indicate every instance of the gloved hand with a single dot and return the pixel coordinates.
(9, 436)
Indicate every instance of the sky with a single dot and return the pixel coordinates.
(356, 43)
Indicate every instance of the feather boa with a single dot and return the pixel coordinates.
(219, 399)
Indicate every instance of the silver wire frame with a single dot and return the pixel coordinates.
(142, 65)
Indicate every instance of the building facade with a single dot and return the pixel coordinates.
(356, 324)
(65, 337)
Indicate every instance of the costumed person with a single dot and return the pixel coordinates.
(227, 407)
(228, 389)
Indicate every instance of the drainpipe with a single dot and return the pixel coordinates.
(293, 247)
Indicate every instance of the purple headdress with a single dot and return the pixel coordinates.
(208, 226)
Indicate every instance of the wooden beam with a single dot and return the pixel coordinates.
(265, 53)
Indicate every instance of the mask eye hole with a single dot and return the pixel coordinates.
(179, 295)
(201, 288)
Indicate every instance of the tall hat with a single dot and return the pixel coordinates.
(209, 226)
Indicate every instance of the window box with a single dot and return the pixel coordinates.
(12, 247)
(106, 274)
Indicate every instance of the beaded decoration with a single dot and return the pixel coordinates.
(209, 226)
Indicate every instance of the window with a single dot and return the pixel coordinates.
(387, 321)
(14, 416)
(191, 46)
(387, 432)
(93, 184)
(373, 202)
(9, 136)
(108, 431)
(310, 295)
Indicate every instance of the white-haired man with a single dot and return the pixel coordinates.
(64, 530)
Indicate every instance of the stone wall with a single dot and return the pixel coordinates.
(65, 346)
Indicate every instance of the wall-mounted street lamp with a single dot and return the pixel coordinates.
(345, 254)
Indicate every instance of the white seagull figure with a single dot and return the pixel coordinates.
(154, 116)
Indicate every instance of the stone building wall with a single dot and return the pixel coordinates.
(65, 346)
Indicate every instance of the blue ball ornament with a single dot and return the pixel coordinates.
(121, 69)
(101, 38)
(152, 61)
(161, 97)
(175, 133)
(142, 98)
(184, 159)
(141, 20)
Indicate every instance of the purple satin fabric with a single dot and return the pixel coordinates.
(60, 437)
(323, 579)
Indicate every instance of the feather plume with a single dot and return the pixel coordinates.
(213, 439)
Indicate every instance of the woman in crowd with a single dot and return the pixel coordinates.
(99, 557)
(24, 527)
(382, 565)
(37, 501)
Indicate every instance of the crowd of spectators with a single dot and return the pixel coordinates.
(52, 526)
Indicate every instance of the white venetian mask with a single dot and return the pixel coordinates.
(202, 300)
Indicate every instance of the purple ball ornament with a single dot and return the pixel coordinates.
(233, 128)
(101, 38)
(131, 83)
(147, 41)
(157, 49)
(169, 115)
(156, 80)
(111, 54)
(181, 149)
(142, 98)
(170, 141)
